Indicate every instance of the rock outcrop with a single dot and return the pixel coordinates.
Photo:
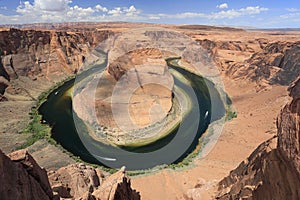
(22, 178)
(289, 128)
(272, 171)
(43, 53)
(74, 180)
(79, 181)
(116, 186)
(257, 60)
(146, 83)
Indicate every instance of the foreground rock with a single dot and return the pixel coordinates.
(272, 170)
(22, 178)
(84, 182)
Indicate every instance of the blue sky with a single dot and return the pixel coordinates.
(246, 13)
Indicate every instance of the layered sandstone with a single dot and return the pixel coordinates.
(49, 54)
(142, 81)
(32, 61)
(272, 170)
(22, 178)
(79, 181)
(257, 60)
(135, 91)
(289, 128)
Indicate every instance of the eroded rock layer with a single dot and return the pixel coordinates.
(49, 54)
(22, 178)
(272, 170)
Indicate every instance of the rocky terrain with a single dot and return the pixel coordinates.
(258, 60)
(22, 178)
(272, 170)
(256, 67)
(33, 61)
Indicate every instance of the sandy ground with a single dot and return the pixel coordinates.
(256, 122)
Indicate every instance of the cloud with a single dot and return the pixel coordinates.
(295, 16)
(52, 5)
(292, 9)
(250, 10)
(62, 11)
(100, 8)
(116, 11)
(228, 14)
(222, 6)
(3, 8)
(66, 11)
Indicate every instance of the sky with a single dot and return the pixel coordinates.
(238, 13)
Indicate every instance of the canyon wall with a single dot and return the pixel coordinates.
(22, 178)
(272, 171)
(48, 54)
(257, 60)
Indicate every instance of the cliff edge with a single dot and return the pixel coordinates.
(272, 170)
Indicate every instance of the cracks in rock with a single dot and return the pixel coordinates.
(138, 79)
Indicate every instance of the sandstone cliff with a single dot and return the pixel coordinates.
(32, 61)
(257, 60)
(79, 181)
(22, 178)
(49, 54)
(272, 171)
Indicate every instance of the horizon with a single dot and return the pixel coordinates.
(21, 26)
(254, 14)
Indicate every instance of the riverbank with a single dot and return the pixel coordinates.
(186, 139)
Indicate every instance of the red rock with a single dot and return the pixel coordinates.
(22, 178)
(272, 171)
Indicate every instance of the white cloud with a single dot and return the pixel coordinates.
(65, 11)
(228, 14)
(61, 10)
(225, 14)
(52, 5)
(292, 9)
(131, 11)
(116, 11)
(253, 10)
(291, 16)
(3, 8)
(101, 8)
(222, 6)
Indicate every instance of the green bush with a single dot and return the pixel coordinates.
(230, 115)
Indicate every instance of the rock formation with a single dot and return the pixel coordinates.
(74, 180)
(272, 171)
(22, 178)
(116, 186)
(31, 53)
(79, 181)
(258, 60)
(289, 128)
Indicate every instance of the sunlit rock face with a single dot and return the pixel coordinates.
(134, 94)
(143, 90)
(272, 170)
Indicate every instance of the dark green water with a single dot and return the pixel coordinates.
(207, 106)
